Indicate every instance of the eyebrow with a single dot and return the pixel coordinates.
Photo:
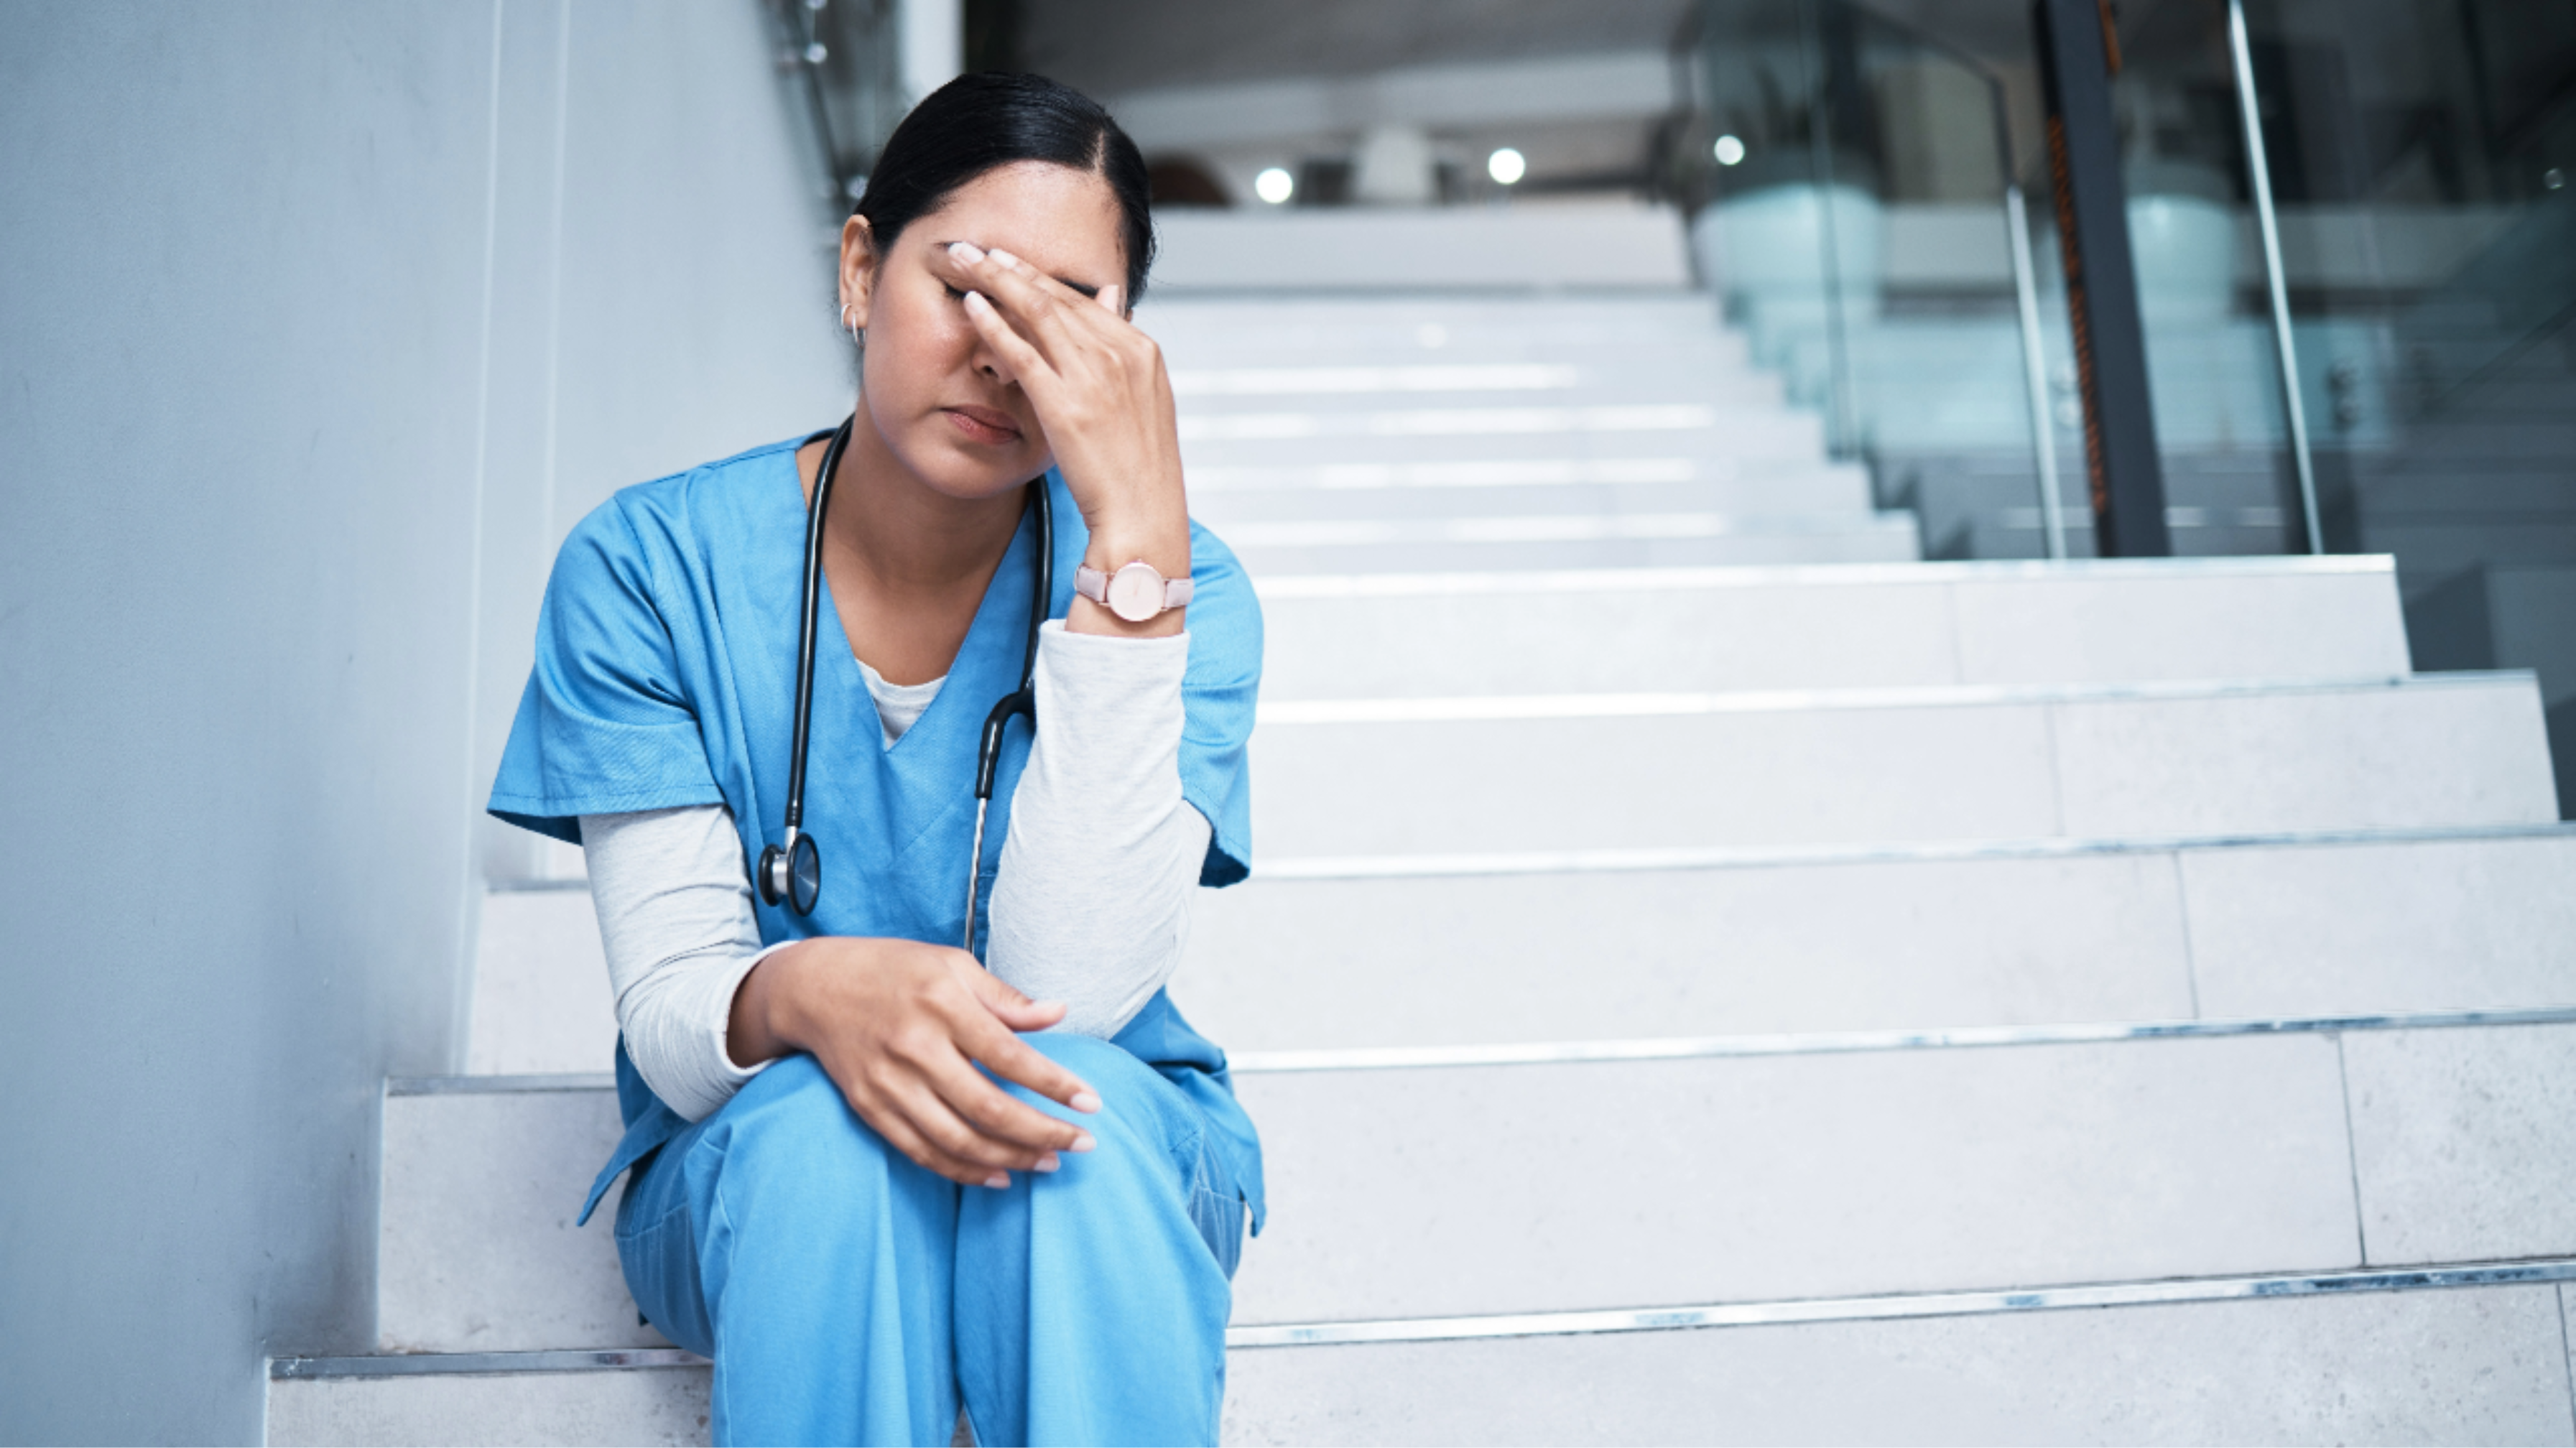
(1083, 287)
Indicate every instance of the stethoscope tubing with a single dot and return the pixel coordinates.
(1022, 701)
(806, 626)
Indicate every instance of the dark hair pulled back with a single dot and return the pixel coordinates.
(978, 122)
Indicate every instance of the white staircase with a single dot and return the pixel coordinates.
(1708, 977)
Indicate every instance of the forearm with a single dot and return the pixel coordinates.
(1091, 906)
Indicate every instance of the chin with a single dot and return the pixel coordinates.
(962, 472)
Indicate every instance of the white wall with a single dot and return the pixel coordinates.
(320, 324)
(663, 291)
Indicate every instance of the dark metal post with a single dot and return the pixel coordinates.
(2079, 53)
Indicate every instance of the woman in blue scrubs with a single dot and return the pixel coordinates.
(863, 1173)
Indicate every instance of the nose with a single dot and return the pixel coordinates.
(988, 363)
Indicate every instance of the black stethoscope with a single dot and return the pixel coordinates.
(793, 872)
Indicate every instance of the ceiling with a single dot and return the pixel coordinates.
(1111, 47)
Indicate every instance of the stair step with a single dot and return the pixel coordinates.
(1416, 545)
(2456, 1355)
(477, 1250)
(1630, 944)
(1548, 1187)
(541, 1001)
(1615, 245)
(1641, 771)
(1602, 380)
(1432, 327)
(1613, 631)
(1642, 944)
(1227, 498)
(1504, 434)
(512, 1403)
(1705, 358)
(1722, 1171)
(2462, 1365)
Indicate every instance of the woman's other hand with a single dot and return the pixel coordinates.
(1102, 396)
(900, 1027)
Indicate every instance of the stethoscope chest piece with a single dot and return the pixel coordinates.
(793, 874)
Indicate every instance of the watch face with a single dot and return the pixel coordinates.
(1136, 593)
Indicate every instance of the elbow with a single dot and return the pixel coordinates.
(661, 1040)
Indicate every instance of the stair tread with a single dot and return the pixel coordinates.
(2481, 1360)
(1816, 1167)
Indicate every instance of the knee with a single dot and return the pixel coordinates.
(1129, 1106)
(1085, 1056)
(794, 1117)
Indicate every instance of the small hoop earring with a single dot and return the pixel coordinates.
(855, 334)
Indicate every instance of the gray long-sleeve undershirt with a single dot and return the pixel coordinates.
(1090, 907)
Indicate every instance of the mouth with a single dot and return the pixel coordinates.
(983, 424)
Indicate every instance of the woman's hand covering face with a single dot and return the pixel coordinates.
(1100, 392)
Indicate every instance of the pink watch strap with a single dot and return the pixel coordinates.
(1093, 584)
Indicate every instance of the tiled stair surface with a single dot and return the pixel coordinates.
(1827, 1000)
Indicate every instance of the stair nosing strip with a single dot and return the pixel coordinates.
(1500, 708)
(1744, 1046)
(463, 1364)
(1584, 528)
(1784, 1312)
(466, 1085)
(1894, 1307)
(1310, 869)
(1840, 1043)
(1301, 870)
(1622, 580)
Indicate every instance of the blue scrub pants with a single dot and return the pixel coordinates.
(849, 1296)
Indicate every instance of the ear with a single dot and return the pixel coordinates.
(858, 268)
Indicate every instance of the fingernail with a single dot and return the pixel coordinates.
(1084, 1142)
(966, 252)
(1003, 258)
(1048, 1162)
(975, 300)
(1085, 1101)
(998, 1180)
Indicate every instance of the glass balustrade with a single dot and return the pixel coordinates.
(2372, 316)
(1856, 206)
(2422, 158)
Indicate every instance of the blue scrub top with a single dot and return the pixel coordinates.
(666, 676)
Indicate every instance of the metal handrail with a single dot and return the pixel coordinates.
(2275, 276)
(2043, 434)
(2016, 224)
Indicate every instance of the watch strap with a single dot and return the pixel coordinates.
(1093, 584)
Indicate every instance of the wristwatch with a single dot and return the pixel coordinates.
(1136, 592)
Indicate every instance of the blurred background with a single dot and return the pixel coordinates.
(323, 324)
(1842, 171)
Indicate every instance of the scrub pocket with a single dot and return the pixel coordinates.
(1215, 1206)
(1219, 1218)
(658, 1249)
